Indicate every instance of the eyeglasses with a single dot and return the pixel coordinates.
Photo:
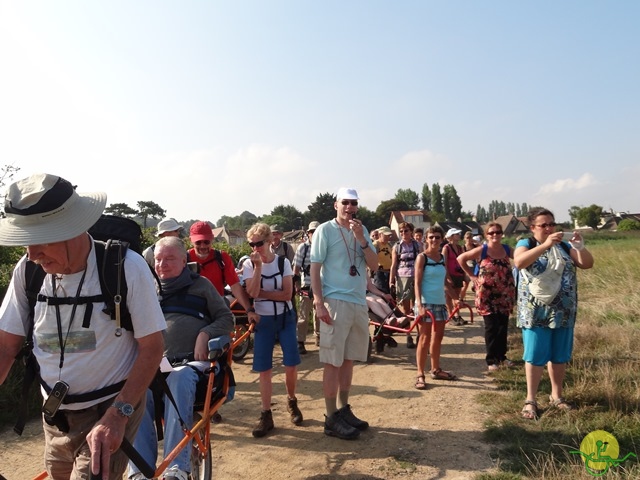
(495, 232)
(546, 225)
(257, 244)
(434, 237)
(353, 203)
(203, 242)
(406, 230)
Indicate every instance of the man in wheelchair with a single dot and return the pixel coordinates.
(195, 313)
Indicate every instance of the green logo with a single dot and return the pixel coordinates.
(600, 451)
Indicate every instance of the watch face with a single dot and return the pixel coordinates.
(127, 409)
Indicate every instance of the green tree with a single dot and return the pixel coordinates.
(387, 206)
(121, 210)
(436, 199)
(426, 197)
(409, 197)
(370, 219)
(150, 209)
(275, 220)
(451, 203)
(293, 217)
(322, 209)
(589, 216)
(628, 224)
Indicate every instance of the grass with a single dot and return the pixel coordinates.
(602, 379)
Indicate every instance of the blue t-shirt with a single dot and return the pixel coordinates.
(337, 250)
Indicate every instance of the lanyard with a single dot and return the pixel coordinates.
(353, 271)
(62, 342)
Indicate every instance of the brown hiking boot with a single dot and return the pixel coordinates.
(294, 411)
(264, 425)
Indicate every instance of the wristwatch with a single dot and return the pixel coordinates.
(123, 408)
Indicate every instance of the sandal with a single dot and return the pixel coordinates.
(530, 414)
(560, 403)
(420, 383)
(440, 374)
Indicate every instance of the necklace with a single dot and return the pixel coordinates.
(353, 271)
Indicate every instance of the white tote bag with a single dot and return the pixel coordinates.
(546, 285)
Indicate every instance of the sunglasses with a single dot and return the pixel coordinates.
(434, 237)
(546, 225)
(353, 203)
(257, 244)
(496, 232)
(203, 242)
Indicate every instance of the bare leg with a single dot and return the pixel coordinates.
(556, 375)
(436, 344)
(266, 390)
(290, 380)
(330, 387)
(424, 338)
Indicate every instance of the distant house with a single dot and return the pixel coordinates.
(419, 219)
(231, 237)
(512, 225)
(610, 221)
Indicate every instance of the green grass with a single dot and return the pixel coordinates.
(602, 379)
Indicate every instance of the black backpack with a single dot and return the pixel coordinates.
(110, 255)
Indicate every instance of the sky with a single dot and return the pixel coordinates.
(211, 108)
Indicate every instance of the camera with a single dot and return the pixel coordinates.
(55, 398)
(567, 236)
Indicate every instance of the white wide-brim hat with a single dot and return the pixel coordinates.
(46, 208)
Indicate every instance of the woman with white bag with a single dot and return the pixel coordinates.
(547, 303)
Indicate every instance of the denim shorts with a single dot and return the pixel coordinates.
(543, 344)
(284, 327)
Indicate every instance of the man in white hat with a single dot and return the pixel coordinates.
(167, 227)
(302, 287)
(341, 252)
(78, 348)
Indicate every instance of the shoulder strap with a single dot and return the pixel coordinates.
(217, 257)
(110, 257)
(483, 255)
(305, 250)
(507, 249)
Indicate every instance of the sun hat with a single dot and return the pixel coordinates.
(200, 231)
(385, 231)
(275, 228)
(345, 193)
(168, 225)
(313, 225)
(453, 231)
(477, 238)
(45, 208)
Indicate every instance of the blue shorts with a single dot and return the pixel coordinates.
(542, 345)
(264, 339)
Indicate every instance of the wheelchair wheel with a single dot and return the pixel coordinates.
(241, 350)
(200, 461)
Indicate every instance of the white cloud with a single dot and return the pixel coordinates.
(565, 185)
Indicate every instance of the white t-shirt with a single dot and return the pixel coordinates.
(93, 357)
(262, 306)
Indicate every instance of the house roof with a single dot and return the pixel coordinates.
(399, 215)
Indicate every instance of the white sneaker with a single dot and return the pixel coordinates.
(174, 473)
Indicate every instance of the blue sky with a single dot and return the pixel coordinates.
(211, 108)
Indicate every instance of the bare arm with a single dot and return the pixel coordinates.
(243, 299)
(464, 257)
(394, 267)
(318, 299)
(417, 282)
(279, 295)
(10, 345)
(106, 436)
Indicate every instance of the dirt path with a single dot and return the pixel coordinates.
(431, 434)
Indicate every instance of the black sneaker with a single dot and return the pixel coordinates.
(264, 425)
(379, 344)
(410, 343)
(348, 416)
(294, 411)
(336, 426)
(301, 348)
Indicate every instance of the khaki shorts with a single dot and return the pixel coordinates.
(348, 337)
(405, 287)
